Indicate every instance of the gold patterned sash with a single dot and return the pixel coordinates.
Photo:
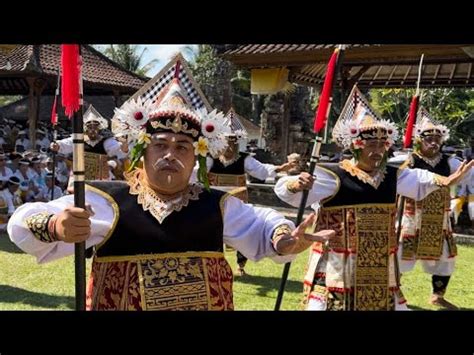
(374, 231)
(96, 167)
(432, 210)
(365, 240)
(172, 281)
(227, 179)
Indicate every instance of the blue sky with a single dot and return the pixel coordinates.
(163, 52)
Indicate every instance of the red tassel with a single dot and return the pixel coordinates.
(176, 69)
(411, 121)
(70, 78)
(54, 114)
(326, 95)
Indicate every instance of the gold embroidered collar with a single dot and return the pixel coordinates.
(159, 208)
(351, 168)
(226, 162)
(432, 162)
(90, 142)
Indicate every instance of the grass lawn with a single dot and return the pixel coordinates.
(25, 285)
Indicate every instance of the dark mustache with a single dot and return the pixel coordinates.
(163, 163)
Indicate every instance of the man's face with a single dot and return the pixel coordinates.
(169, 161)
(3, 162)
(430, 145)
(372, 154)
(23, 168)
(13, 188)
(49, 182)
(92, 129)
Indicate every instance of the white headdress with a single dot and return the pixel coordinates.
(426, 125)
(359, 122)
(171, 102)
(235, 127)
(92, 115)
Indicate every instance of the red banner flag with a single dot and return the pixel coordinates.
(71, 74)
(326, 94)
(411, 121)
(54, 113)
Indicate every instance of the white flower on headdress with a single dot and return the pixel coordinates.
(135, 113)
(353, 131)
(201, 146)
(240, 134)
(392, 132)
(211, 125)
(217, 146)
(214, 130)
(444, 131)
(211, 128)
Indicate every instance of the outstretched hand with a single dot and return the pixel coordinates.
(299, 240)
(459, 174)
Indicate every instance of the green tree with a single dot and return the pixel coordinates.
(129, 57)
(450, 106)
(214, 75)
(5, 100)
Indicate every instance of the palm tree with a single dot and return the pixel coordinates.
(128, 57)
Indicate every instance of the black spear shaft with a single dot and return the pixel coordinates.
(304, 198)
(79, 199)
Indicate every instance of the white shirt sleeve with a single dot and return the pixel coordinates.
(65, 146)
(20, 234)
(8, 174)
(415, 183)
(249, 229)
(454, 164)
(113, 148)
(326, 185)
(9, 198)
(258, 170)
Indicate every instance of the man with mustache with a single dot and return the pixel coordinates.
(228, 171)
(99, 145)
(357, 269)
(426, 233)
(159, 239)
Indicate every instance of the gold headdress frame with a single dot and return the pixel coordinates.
(177, 126)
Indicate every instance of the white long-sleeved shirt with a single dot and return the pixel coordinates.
(24, 142)
(246, 228)
(9, 199)
(412, 183)
(111, 146)
(5, 173)
(43, 143)
(45, 193)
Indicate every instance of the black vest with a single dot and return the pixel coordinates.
(236, 168)
(442, 168)
(352, 191)
(98, 148)
(197, 227)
